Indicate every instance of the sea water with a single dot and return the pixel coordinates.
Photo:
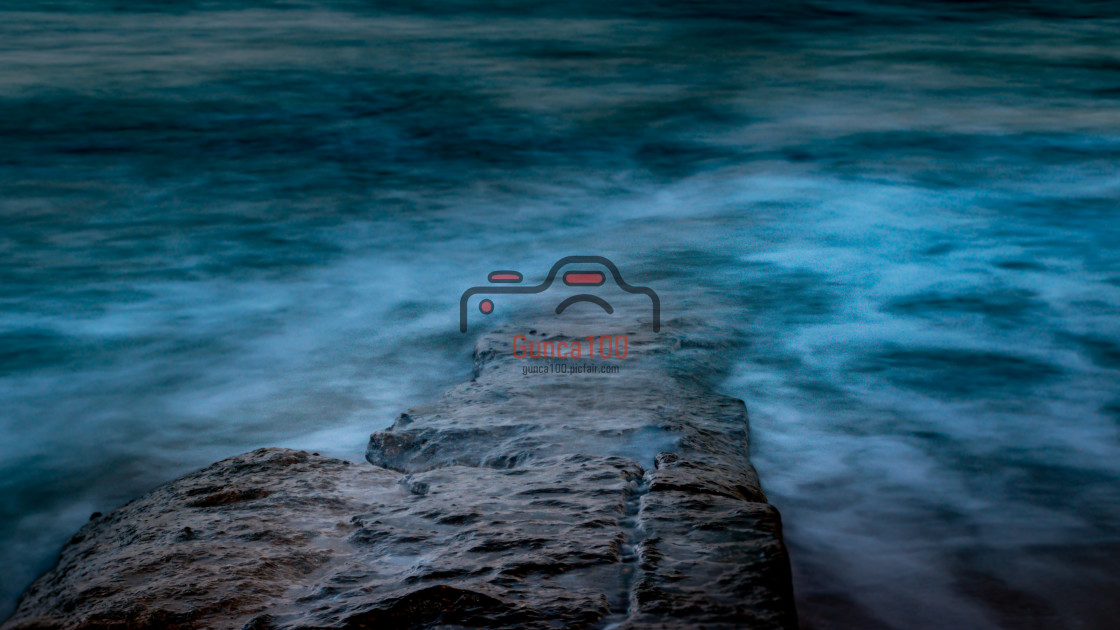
(232, 225)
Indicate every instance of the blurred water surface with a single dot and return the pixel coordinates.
(230, 225)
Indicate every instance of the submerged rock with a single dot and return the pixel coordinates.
(523, 499)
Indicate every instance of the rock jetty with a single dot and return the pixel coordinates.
(581, 493)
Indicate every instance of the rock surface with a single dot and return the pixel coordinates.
(599, 499)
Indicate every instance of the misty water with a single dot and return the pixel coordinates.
(226, 226)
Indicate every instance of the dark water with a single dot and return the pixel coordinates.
(225, 226)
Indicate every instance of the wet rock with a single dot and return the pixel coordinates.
(504, 417)
(579, 499)
(707, 547)
(693, 476)
(336, 546)
(712, 561)
(387, 449)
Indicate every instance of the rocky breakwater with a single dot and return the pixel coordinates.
(572, 495)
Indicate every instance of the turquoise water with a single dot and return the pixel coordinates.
(225, 226)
